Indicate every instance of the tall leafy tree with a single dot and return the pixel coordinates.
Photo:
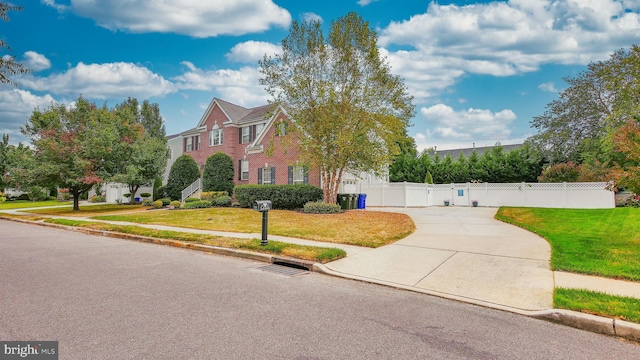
(76, 147)
(183, 173)
(578, 126)
(8, 64)
(4, 159)
(144, 158)
(218, 173)
(347, 108)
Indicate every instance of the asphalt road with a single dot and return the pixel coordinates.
(105, 298)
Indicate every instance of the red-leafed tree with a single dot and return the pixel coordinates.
(626, 173)
(79, 146)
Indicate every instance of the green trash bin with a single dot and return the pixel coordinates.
(353, 201)
(343, 200)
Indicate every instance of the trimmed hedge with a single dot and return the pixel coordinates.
(176, 204)
(165, 201)
(281, 196)
(222, 201)
(319, 207)
(191, 199)
(202, 204)
(157, 204)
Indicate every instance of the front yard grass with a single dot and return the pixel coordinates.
(91, 210)
(603, 242)
(22, 204)
(362, 228)
(621, 307)
(312, 253)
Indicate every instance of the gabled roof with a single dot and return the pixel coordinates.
(455, 153)
(237, 114)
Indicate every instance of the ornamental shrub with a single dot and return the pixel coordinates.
(176, 204)
(184, 172)
(148, 202)
(319, 207)
(158, 189)
(191, 199)
(145, 195)
(202, 204)
(566, 172)
(37, 193)
(281, 196)
(210, 195)
(97, 199)
(157, 204)
(218, 173)
(222, 201)
(165, 201)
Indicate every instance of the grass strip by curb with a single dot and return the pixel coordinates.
(593, 302)
(311, 253)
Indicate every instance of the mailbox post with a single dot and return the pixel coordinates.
(263, 206)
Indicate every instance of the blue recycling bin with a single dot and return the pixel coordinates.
(362, 201)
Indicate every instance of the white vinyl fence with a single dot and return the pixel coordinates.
(548, 195)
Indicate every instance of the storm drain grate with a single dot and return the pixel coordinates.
(283, 270)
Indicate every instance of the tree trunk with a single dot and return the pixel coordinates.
(133, 189)
(76, 200)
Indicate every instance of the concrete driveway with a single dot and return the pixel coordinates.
(464, 253)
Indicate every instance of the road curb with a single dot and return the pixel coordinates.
(587, 322)
(578, 320)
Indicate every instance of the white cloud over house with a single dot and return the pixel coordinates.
(195, 18)
(240, 85)
(441, 124)
(252, 51)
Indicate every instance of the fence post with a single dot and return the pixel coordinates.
(404, 188)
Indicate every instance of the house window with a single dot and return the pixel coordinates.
(298, 175)
(259, 128)
(197, 142)
(244, 169)
(246, 135)
(281, 128)
(189, 146)
(215, 136)
(266, 175)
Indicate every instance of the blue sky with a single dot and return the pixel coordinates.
(479, 70)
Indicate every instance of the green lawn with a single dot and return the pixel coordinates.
(21, 204)
(592, 302)
(313, 253)
(604, 242)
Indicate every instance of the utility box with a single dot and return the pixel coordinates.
(262, 205)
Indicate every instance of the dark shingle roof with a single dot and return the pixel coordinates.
(455, 153)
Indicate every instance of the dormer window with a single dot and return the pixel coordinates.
(215, 136)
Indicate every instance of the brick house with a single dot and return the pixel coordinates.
(245, 135)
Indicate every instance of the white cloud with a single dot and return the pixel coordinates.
(446, 127)
(252, 51)
(549, 86)
(102, 81)
(15, 107)
(365, 2)
(240, 86)
(505, 38)
(309, 17)
(195, 18)
(35, 61)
